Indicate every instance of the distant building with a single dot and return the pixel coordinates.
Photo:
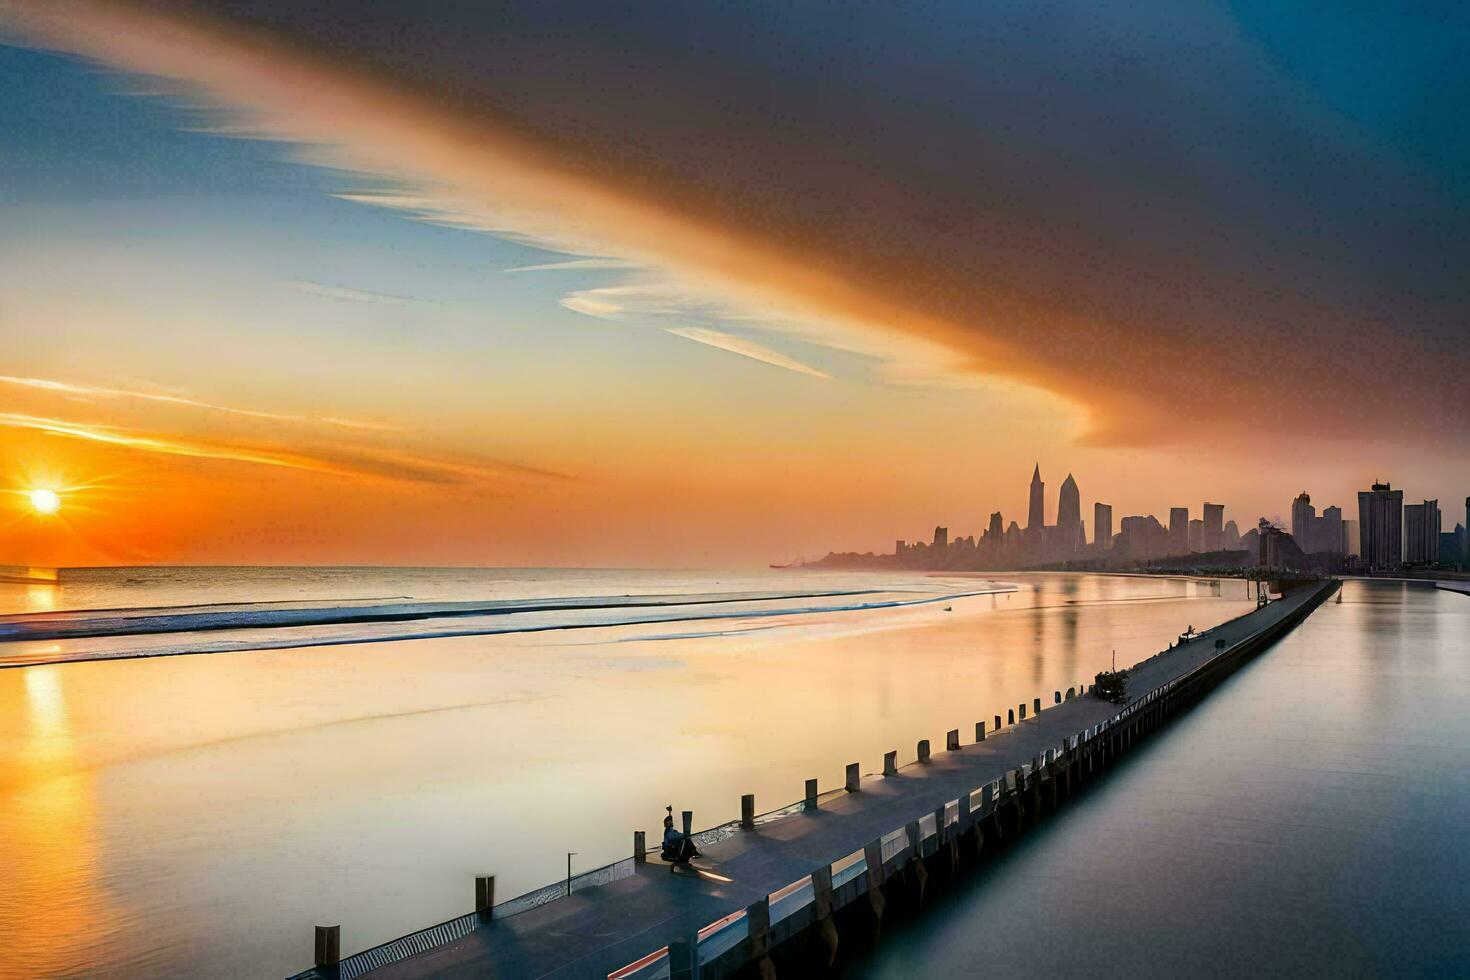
(997, 529)
(1142, 538)
(1102, 526)
(941, 537)
(1449, 546)
(1179, 531)
(1316, 534)
(1036, 516)
(1214, 526)
(1069, 518)
(1278, 550)
(1348, 542)
(1302, 516)
(1327, 531)
(1231, 537)
(1036, 519)
(1196, 535)
(1421, 533)
(1380, 526)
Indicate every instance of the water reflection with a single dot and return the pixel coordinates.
(53, 903)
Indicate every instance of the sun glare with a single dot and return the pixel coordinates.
(45, 501)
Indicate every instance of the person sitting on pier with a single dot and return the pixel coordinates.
(678, 848)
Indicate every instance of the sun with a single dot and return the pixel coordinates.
(44, 501)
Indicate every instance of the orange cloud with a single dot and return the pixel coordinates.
(342, 461)
(95, 391)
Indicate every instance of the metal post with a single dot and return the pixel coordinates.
(979, 731)
(924, 751)
(640, 846)
(853, 777)
(1036, 705)
(1022, 706)
(997, 722)
(569, 871)
(952, 740)
(811, 794)
(890, 763)
(688, 816)
(747, 812)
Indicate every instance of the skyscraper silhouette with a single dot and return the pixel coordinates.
(1302, 515)
(1214, 525)
(1102, 526)
(1421, 532)
(1036, 517)
(1381, 526)
(1069, 518)
(1179, 530)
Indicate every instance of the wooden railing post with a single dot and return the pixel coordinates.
(485, 893)
(328, 946)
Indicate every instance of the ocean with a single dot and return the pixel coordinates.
(197, 765)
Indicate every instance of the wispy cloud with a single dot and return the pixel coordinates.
(573, 264)
(334, 460)
(83, 391)
(745, 348)
(353, 295)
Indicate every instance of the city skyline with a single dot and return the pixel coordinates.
(1397, 536)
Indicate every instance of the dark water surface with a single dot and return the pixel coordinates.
(1309, 819)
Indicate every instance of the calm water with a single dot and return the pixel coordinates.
(1308, 819)
(198, 814)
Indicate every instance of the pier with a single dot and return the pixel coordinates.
(803, 880)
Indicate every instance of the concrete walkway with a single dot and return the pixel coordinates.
(594, 932)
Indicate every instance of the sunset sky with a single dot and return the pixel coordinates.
(380, 283)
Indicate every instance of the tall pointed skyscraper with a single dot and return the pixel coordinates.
(1036, 518)
(1069, 517)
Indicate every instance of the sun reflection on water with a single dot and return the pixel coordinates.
(52, 904)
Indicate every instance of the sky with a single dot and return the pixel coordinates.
(568, 284)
